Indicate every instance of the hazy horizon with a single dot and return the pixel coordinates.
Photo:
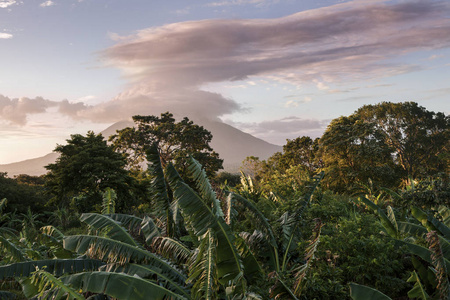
(276, 69)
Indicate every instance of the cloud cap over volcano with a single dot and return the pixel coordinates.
(168, 65)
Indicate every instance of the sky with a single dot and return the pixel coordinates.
(277, 69)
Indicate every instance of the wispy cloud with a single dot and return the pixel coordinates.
(342, 43)
(4, 35)
(47, 4)
(277, 130)
(7, 3)
(168, 65)
(16, 110)
(242, 2)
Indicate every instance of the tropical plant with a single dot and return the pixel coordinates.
(428, 239)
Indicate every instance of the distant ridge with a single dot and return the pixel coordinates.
(232, 144)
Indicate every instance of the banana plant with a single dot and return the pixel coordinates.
(437, 235)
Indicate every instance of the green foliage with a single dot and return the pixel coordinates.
(427, 193)
(385, 142)
(175, 140)
(353, 250)
(362, 292)
(23, 192)
(86, 167)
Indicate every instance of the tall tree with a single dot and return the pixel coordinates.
(419, 139)
(87, 165)
(386, 142)
(301, 151)
(352, 151)
(175, 140)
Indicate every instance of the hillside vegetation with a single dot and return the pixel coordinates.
(361, 213)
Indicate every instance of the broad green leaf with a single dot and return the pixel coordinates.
(362, 292)
(114, 251)
(172, 249)
(385, 221)
(202, 269)
(109, 201)
(262, 223)
(420, 251)
(112, 228)
(412, 229)
(57, 267)
(417, 292)
(198, 175)
(431, 223)
(444, 212)
(50, 287)
(7, 295)
(149, 229)
(175, 284)
(200, 217)
(127, 221)
(120, 286)
(14, 252)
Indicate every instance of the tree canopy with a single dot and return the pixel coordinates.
(385, 142)
(175, 140)
(87, 165)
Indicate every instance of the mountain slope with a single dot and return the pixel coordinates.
(232, 144)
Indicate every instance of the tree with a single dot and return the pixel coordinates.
(352, 152)
(301, 151)
(86, 167)
(175, 140)
(419, 139)
(385, 142)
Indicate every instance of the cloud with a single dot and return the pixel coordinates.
(7, 3)
(342, 42)
(168, 65)
(16, 110)
(241, 2)
(4, 35)
(47, 4)
(276, 131)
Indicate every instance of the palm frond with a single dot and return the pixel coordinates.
(113, 251)
(53, 232)
(362, 292)
(198, 175)
(412, 229)
(432, 224)
(109, 201)
(110, 227)
(119, 285)
(390, 227)
(158, 188)
(437, 258)
(128, 221)
(309, 257)
(57, 267)
(202, 269)
(252, 269)
(231, 212)
(14, 252)
(51, 287)
(444, 212)
(7, 295)
(149, 229)
(199, 218)
(172, 249)
(262, 223)
(174, 284)
(280, 290)
(418, 291)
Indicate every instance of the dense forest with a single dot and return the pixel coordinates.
(363, 212)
